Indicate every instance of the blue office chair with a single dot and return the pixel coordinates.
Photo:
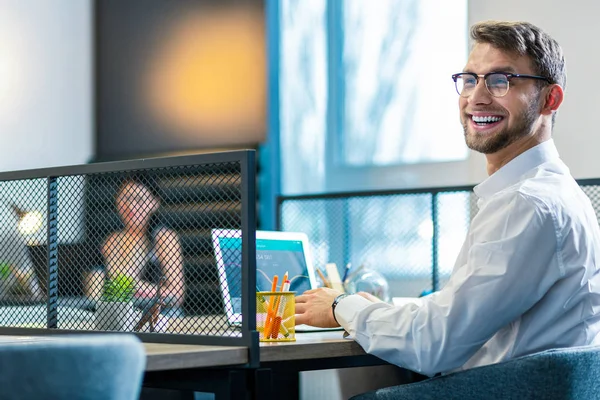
(572, 373)
(87, 367)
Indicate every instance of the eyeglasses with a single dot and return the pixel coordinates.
(496, 83)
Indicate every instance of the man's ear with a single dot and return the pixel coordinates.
(553, 99)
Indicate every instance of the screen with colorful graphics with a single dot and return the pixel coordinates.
(274, 256)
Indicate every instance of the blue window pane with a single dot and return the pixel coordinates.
(303, 94)
(399, 102)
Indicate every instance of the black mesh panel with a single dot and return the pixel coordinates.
(120, 251)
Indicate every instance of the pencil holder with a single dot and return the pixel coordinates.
(275, 316)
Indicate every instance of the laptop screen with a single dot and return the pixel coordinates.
(276, 253)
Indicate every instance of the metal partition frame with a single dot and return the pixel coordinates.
(246, 159)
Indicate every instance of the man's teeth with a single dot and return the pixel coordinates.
(485, 120)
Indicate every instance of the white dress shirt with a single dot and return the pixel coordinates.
(527, 279)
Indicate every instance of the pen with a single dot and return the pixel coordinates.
(280, 311)
(274, 307)
(285, 279)
(355, 271)
(348, 266)
(284, 330)
(262, 298)
(270, 307)
(323, 278)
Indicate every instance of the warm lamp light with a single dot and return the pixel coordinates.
(29, 221)
(209, 76)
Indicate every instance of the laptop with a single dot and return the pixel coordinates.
(276, 253)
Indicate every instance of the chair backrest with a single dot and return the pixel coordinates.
(90, 367)
(571, 373)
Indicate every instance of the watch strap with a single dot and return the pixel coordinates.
(335, 303)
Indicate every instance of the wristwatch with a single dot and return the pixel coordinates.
(335, 303)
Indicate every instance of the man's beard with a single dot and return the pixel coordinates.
(495, 142)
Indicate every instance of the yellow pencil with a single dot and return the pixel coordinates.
(323, 278)
(270, 308)
(273, 311)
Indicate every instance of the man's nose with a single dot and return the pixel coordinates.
(480, 94)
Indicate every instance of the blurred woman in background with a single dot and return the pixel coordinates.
(147, 254)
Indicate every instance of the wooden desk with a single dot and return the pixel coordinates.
(308, 346)
(164, 357)
(220, 369)
(327, 344)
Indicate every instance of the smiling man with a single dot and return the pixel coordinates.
(527, 278)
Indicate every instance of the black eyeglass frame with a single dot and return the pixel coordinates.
(508, 75)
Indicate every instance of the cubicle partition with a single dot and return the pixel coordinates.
(412, 237)
(126, 246)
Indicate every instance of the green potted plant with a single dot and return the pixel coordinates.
(5, 280)
(114, 311)
(119, 289)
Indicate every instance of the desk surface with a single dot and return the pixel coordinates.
(164, 356)
(307, 346)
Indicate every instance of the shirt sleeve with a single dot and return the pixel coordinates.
(501, 273)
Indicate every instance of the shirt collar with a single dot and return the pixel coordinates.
(517, 167)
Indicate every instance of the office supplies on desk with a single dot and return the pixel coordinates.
(334, 277)
(276, 252)
(281, 326)
(279, 312)
(324, 279)
(274, 305)
(271, 304)
(369, 281)
(351, 274)
(151, 315)
(346, 271)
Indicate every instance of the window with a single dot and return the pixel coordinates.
(395, 58)
(366, 99)
(367, 103)
(303, 94)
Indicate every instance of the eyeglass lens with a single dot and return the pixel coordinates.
(496, 84)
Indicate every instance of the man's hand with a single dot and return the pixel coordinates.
(313, 308)
(370, 297)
